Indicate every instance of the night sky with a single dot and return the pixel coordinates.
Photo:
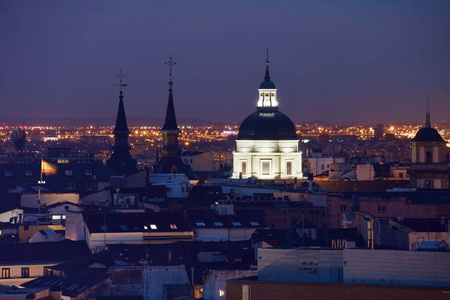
(338, 61)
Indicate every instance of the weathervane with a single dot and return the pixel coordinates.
(121, 76)
(170, 63)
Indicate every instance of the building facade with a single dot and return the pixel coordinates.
(429, 160)
(267, 146)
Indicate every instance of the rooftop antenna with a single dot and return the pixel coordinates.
(427, 121)
(121, 76)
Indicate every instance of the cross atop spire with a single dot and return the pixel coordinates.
(121, 76)
(170, 123)
(121, 120)
(427, 120)
(170, 63)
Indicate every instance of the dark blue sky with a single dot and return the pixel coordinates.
(339, 61)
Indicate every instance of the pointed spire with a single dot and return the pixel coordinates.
(427, 120)
(267, 75)
(121, 120)
(171, 120)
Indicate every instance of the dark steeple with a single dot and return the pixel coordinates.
(427, 118)
(171, 120)
(121, 161)
(121, 120)
(170, 161)
(267, 75)
(267, 83)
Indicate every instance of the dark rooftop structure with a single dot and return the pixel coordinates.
(43, 252)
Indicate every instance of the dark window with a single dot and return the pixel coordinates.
(25, 272)
(343, 208)
(382, 208)
(6, 273)
(429, 156)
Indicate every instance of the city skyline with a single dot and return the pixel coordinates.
(342, 63)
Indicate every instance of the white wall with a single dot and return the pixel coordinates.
(154, 277)
(278, 152)
(4, 217)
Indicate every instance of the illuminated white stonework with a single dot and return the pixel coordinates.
(267, 98)
(270, 159)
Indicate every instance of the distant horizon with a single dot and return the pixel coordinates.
(158, 122)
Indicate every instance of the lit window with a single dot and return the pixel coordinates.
(6, 273)
(153, 226)
(237, 224)
(218, 224)
(202, 224)
(56, 217)
(254, 223)
(173, 226)
(244, 168)
(221, 293)
(68, 173)
(265, 167)
(145, 227)
(289, 168)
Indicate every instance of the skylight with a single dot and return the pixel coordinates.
(173, 226)
(218, 224)
(237, 224)
(202, 224)
(153, 226)
(254, 223)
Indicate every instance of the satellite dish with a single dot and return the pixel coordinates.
(18, 139)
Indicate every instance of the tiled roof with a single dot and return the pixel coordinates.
(70, 286)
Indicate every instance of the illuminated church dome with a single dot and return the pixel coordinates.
(267, 144)
(267, 123)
